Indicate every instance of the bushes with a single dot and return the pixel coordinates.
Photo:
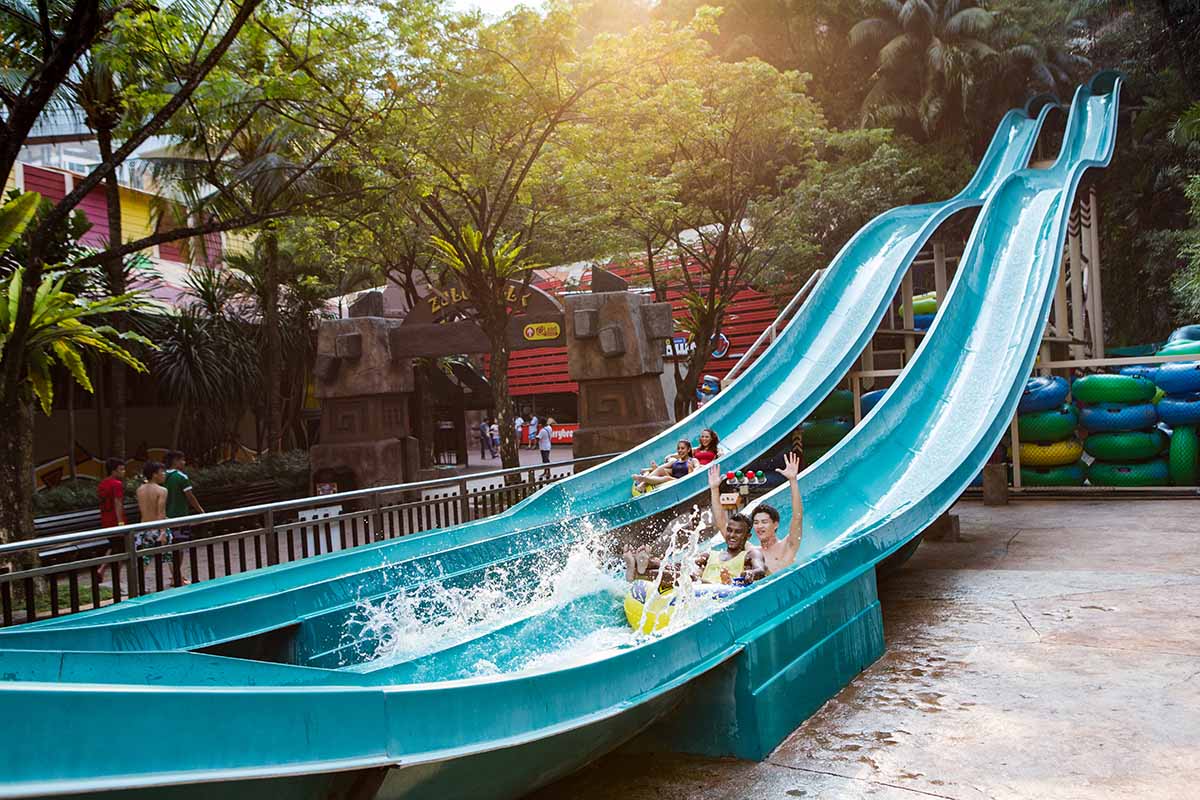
(289, 470)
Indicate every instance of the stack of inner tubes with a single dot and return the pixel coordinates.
(1123, 437)
(925, 307)
(1050, 453)
(827, 425)
(1182, 341)
(1179, 408)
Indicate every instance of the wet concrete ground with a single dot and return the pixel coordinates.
(1053, 653)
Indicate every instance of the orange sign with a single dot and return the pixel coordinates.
(540, 331)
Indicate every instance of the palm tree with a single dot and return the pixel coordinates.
(61, 332)
(929, 56)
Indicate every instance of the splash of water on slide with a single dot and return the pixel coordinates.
(587, 575)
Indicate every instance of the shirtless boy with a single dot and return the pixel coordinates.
(152, 503)
(777, 553)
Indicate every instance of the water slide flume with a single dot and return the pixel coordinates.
(776, 650)
(765, 403)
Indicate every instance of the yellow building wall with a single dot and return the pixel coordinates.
(135, 215)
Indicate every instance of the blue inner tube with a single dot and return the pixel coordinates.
(1180, 409)
(1119, 417)
(1043, 394)
(921, 322)
(1179, 378)
(1188, 333)
(870, 400)
(1147, 371)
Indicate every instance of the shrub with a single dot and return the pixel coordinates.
(288, 470)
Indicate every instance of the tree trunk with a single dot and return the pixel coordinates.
(686, 384)
(16, 469)
(71, 435)
(510, 457)
(425, 414)
(114, 267)
(271, 350)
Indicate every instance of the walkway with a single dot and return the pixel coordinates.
(1053, 653)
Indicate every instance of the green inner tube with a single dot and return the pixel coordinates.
(1184, 458)
(1112, 389)
(1147, 473)
(824, 432)
(1182, 347)
(1044, 427)
(1126, 446)
(838, 404)
(922, 304)
(1069, 475)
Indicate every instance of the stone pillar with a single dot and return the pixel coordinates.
(365, 428)
(615, 353)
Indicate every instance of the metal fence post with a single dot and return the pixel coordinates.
(464, 502)
(133, 578)
(272, 537)
(377, 518)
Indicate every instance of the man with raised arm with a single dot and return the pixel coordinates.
(777, 553)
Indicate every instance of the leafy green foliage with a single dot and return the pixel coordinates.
(60, 332)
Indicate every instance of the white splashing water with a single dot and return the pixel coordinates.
(437, 616)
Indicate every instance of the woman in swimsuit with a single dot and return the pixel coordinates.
(677, 466)
(706, 453)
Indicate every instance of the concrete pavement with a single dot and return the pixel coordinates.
(1052, 653)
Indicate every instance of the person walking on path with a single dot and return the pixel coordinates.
(544, 442)
(494, 430)
(111, 492)
(152, 504)
(533, 431)
(181, 499)
(519, 423)
(485, 441)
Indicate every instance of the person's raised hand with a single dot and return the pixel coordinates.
(791, 467)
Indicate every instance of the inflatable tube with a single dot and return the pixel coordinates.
(870, 400)
(1158, 395)
(652, 615)
(1043, 394)
(1119, 417)
(921, 322)
(839, 403)
(1129, 446)
(1180, 409)
(1066, 475)
(1112, 389)
(1147, 371)
(647, 610)
(824, 432)
(1181, 377)
(1044, 427)
(924, 303)
(1184, 457)
(1183, 347)
(1149, 473)
(1187, 333)
(1057, 454)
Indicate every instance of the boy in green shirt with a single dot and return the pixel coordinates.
(181, 500)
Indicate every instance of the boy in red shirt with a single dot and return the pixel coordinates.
(111, 492)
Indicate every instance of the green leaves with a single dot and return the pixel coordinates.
(14, 216)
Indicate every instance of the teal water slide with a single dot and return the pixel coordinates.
(327, 721)
(794, 374)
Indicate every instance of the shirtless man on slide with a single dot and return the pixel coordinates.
(778, 553)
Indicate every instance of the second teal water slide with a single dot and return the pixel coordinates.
(795, 373)
(740, 679)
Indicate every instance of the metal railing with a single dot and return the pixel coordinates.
(63, 574)
(770, 332)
